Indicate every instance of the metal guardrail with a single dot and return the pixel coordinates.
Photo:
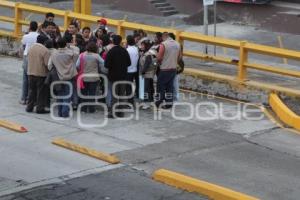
(122, 26)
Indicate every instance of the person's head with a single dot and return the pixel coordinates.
(142, 33)
(33, 26)
(68, 38)
(49, 44)
(79, 41)
(105, 40)
(165, 36)
(172, 35)
(49, 17)
(117, 39)
(77, 23)
(41, 39)
(100, 32)
(92, 47)
(146, 45)
(61, 43)
(49, 27)
(137, 37)
(130, 40)
(86, 31)
(72, 28)
(158, 37)
(102, 23)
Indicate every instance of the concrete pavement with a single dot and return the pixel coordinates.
(250, 156)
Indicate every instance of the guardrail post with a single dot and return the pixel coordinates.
(18, 17)
(77, 6)
(179, 39)
(120, 29)
(86, 6)
(66, 20)
(242, 70)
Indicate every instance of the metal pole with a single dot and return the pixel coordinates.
(205, 25)
(215, 25)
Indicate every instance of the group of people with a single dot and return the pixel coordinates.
(74, 67)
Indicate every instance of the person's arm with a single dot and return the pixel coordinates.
(23, 41)
(50, 63)
(128, 60)
(147, 64)
(100, 60)
(180, 53)
(46, 58)
(161, 52)
(75, 55)
(78, 63)
(108, 60)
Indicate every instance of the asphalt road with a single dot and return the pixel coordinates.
(250, 156)
(119, 184)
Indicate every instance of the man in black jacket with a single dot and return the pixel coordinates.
(117, 61)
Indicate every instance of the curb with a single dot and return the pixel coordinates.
(201, 187)
(87, 151)
(283, 112)
(13, 126)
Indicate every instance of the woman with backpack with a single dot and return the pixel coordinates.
(148, 67)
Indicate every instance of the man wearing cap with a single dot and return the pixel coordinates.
(102, 24)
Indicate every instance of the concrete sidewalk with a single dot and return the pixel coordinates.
(250, 156)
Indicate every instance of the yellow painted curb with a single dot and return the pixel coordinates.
(283, 112)
(194, 185)
(84, 150)
(12, 126)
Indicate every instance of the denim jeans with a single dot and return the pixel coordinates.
(165, 85)
(24, 96)
(64, 109)
(176, 88)
(89, 91)
(75, 98)
(109, 95)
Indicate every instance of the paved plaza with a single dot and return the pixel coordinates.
(250, 156)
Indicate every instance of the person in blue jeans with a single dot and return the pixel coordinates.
(64, 60)
(64, 100)
(27, 41)
(24, 96)
(168, 56)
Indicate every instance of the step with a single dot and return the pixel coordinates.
(169, 8)
(169, 13)
(157, 1)
(158, 5)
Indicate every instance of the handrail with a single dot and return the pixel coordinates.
(122, 26)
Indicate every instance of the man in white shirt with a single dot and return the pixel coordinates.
(132, 71)
(27, 41)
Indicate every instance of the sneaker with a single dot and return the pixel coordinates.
(43, 112)
(22, 102)
(167, 107)
(110, 116)
(146, 106)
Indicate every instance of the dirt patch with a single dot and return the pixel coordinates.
(293, 104)
(197, 19)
